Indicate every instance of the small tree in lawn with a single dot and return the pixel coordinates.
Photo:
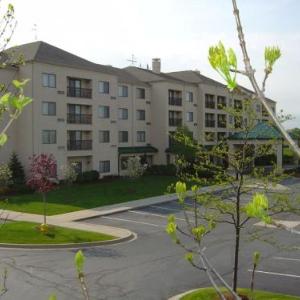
(69, 173)
(17, 170)
(134, 167)
(43, 178)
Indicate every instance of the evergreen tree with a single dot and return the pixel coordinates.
(16, 169)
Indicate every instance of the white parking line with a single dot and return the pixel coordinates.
(286, 258)
(132, 221)
(170, 209)
(151, 214)
(276, 274)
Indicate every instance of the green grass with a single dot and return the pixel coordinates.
(83, 196)
(28, 233)
(210, 294)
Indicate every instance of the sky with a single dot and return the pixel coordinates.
(179, 32)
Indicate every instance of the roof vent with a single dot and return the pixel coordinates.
(156, 65)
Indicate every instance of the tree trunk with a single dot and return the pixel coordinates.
(45, 208)
(236, 259)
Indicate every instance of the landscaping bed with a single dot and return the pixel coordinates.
(66, 199)
(29, 233)
(210, 294)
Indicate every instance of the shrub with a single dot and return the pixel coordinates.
(134, 167)
(69, 173)
(88, 176)
(17, 170)
(165, 170)
(5, 176)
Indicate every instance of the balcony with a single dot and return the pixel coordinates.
(177, 101)
(79, 145)
(79, 118)
(210, 123)
(79, 92)
(175, 122)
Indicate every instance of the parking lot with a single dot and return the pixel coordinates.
(150, 267)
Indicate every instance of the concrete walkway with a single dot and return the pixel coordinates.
(119, 233)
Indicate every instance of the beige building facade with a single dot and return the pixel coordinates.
(98, 116)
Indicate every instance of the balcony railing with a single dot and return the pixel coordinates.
(210, 123)
(79, 118)
(79, 145)
(79, 92)
(210, 104)
(175, 122)
(177, 101)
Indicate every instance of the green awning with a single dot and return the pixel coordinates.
(261, 131)
(133, 150)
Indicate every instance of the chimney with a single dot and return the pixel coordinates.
(156, 65)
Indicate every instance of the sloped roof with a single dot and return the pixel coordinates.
(194, 77)
(45, 53)
(146, 75)
(261, 131)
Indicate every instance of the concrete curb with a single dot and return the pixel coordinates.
(179, 296)
(130, 237)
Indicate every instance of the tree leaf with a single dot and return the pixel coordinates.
(79, 260)
(3, 139)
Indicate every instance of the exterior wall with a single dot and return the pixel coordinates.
(25, 136)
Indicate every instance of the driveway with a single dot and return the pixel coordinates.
(150, 267)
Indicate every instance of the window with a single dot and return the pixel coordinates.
(209, 101)
(123, 114)
(189, 116)
(104, 136)
(258, 108)
(140, 114)
(209, 136)
(103, 112)
(221, 102)
(175, 97)
(222, 123)
(221, 136)
(104, 166)
(189, 97)
(123, 91)
(238, 105)
(103, 87)
(175, 118)
(209, 120)
(49, 137)
(124, 162)
(140, 136)
(49, 80)
(140, 93)
(123, 136)
(49, 108)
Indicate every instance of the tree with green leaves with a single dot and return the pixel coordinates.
(225, 63)
(16, 168)
(230, 205)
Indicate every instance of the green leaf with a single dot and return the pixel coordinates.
(79, 261)
(189, 257)
(272, 54)
(180, 189)
(19, 84)
(3, 139)
(256, 258)
(5, 99)
(52, 297)
(224, 63)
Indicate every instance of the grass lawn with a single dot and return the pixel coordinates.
(27, 233)
(83, 196)
(210, 294)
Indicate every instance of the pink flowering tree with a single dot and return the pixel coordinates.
(43, 177)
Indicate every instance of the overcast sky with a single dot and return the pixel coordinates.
(178, 31)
